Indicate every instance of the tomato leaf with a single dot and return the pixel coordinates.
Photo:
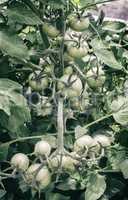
(3, 151)
(96, 187)
(13, 106)
(12, 45)
(104, 54)
(56, 196)
(114, 26)
(80, 131)
(114, 186)
(21, 14)
(116, 156)
(2, 193)
(124, 168)
(120, 109)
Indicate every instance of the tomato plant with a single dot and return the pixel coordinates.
(63, 101)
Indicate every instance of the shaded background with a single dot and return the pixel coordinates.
(117, 9)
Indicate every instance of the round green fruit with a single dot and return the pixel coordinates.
(70, 86)
(42, 148)
(77, 52)
(94, 79)
(43, 178)
(20, 161)
(36, 82)
(31, 172)
(66, 162)
(78, 23)
(82, 143)
(103, 140)
(51, 30)
(68, 70)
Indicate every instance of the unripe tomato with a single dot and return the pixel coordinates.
(68, 70)
(43, 178)
(31, 172)
(83, 142)
(68, 58)
(20, 161)
(75, 157)
(95, 148)
(46, 109)
(126, 37)
(36, 83)
(103, 140)
(75, 103)
(68, 163)
(116, 37)
(78, 24)
(95, 80)
(79, 104)
(70, 86)
(77, 52)
(50, 30)
(123, 166)
(42, 148)
(49, 69)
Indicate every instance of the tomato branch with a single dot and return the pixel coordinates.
(21, 139)
(98, 120)
(94, 4)
(60, 125)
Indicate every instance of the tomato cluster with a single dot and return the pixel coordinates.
(47, 162)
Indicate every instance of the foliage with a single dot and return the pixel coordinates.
(63, 101)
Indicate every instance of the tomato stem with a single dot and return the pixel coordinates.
(94, 4)
(98, 120)
(60, 125)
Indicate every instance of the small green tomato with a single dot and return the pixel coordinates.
(43, 178)
(67, 163)
(70, 86)
(20, 161)
(95, 78)
(46, 109)
(38, 83)
(31, 172)
(68, 70)
(82, 143)
(78, 23)
(42, 148)
(103, 140)
(51, 30)
(77, 52)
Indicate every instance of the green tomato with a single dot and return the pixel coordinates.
(68, 58)
(126, 37)
(82, 143)
(50, 30)
(46, 109)
(20, 161)
(103, 140)
(31, 172)
(70, 86)
(43, 178)
(68, 70)
(78, 24)
(79, 104)
(95, 80)
(116, 37)
(49, 69)
(42, 148)
(77, 53)
(67, 163)
(36, 83)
